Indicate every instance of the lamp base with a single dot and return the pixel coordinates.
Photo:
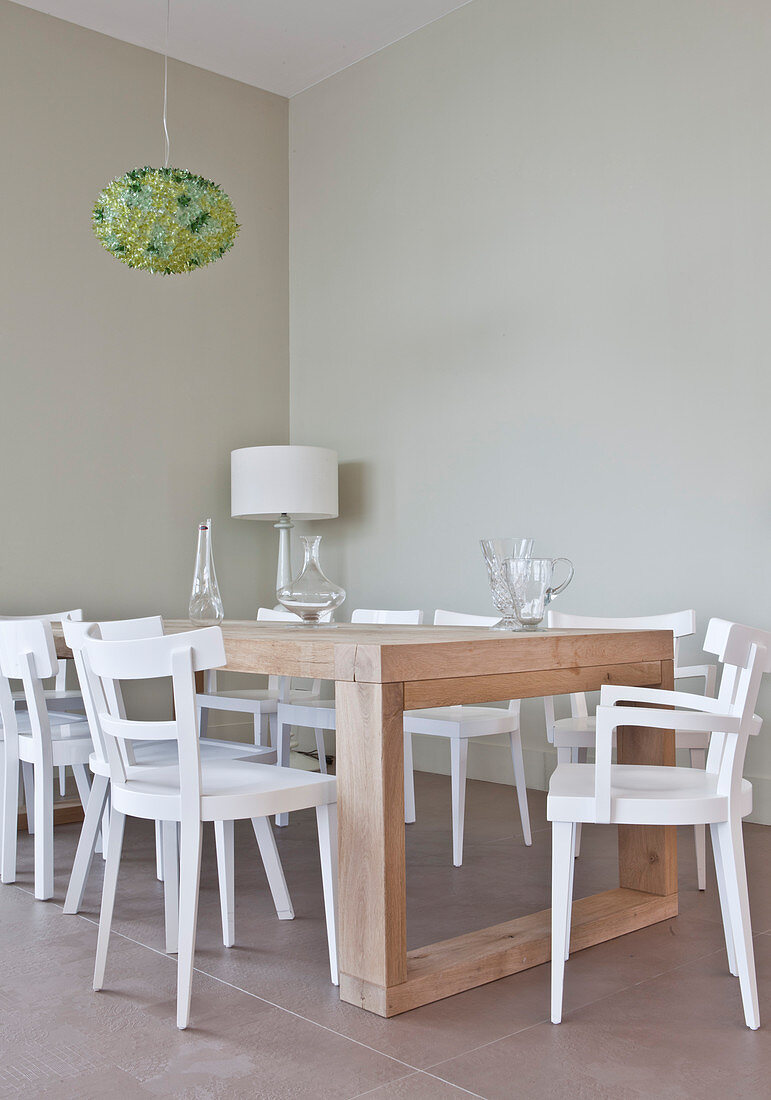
(284, 568)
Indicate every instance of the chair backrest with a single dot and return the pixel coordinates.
(681, 623)
(459, 618)
(75, 635)
(27, 653)
(174, 656)
(74, 615)
(379, 616)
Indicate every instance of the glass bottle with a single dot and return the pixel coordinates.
(311, 594)
(205, 601)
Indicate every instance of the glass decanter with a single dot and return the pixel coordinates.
(205, 607)
(311, 594)
(495, 552)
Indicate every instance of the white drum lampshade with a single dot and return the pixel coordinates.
(268, 482)
(281, 484)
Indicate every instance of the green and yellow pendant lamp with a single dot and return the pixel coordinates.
(165, 220)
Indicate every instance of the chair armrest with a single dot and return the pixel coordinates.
(609, 718)
(688, 720)
(610, 694)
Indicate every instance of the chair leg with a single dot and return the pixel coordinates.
(458, 759)
(274, 872)
(84, 854)
(203, 720)
(106, 826)
(189, 882)
(581, 758)
(326, 820)
(80, 771)
(576, 827)
(699, 760)
(44, 833)
(27, 774)
(282, 760)
(321, 750)
(223, 835)
(519, 781)
(272, 728)
(264, 731)
(10, 824)
(732, 853)
(409, 781)
(257, 726)
(62, 781)
(117, 822)
(169, 845)
(724, 910)
(562, 855)
(159, 850)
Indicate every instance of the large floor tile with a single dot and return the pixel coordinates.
(679, 1035)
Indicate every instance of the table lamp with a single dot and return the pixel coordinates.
(283, 483)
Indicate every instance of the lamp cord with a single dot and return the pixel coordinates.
(167, 143)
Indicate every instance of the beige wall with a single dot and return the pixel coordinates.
(122, 392)
(529, 295)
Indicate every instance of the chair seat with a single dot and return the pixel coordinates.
(318, 715)
(460, 721)
(50, 694)
(439, 721)
(230, 790)
(164, 753)
(642, 795)
(260, 700)
(580, 733)
(70, 741)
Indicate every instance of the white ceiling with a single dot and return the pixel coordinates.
(283, 46)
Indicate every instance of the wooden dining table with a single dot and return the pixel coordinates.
(381, 671)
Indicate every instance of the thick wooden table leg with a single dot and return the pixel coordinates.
(372, 893)
(647, 854)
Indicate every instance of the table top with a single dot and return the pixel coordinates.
(385, 653)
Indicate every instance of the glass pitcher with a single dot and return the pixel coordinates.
(495, 552)
(205, 607)
(531, 584)
(311, 594)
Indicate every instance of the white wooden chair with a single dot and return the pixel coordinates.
(195, 790)
(59, 698)
(632, 794)
(38, 738)
(573, 736)
(261, 703)
(156, 752)
(459, 724)
(320, 715)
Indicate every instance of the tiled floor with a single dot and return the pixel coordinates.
(654, 1014)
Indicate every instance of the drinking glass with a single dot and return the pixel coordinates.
(495, 552)
(531, 584)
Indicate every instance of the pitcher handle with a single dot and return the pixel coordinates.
(561, 587)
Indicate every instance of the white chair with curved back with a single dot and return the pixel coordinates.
(160, 753)
(193, 791)
(459, 724)
(59, 699)
(573, 736)
(630, 794)
(320, 715)
(260, 703)
(39, 738)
